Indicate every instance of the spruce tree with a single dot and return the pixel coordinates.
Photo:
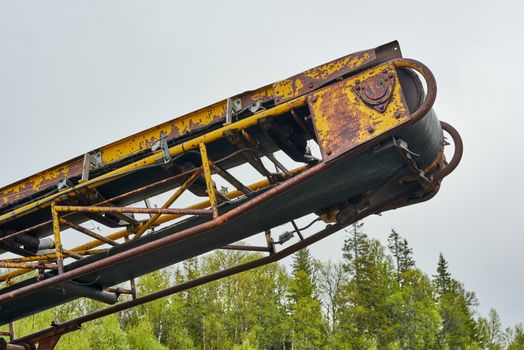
(456, 308)
(442, 279)
(402, 254)
(309, 327)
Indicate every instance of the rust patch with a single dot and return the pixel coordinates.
(343, 120)
(314, 78)
(376, 91)
(39, 182)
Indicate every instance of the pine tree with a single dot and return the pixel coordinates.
(456, 308)
(355, 246)
(309, 328)
(302, 275)
(406, 252)
(402, 254)
(365, 320)
(442, 279)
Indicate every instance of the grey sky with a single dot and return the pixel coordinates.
(78, 75)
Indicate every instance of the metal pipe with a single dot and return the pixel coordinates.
(105, 201)
(88, 209)
(209, 181)
(163, 219)
(50, 256)
(246, 248)
(11, 265)
(167, 240)
(88, 232)
(154, 158)
(58, 241)
(74, 324)
(457, 156)
(226, 175)
(168, 203)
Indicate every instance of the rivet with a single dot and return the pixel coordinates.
(310, 85)
(397, 114)
(329, 152)
(357, 81)
(370, 130)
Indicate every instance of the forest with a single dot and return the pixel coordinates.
(374, 298)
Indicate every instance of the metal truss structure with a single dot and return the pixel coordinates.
(381, 148)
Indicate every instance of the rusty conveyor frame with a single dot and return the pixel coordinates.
(48, 338)
(287, 101)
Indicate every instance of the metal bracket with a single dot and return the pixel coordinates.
(232, 107)
(162, 144)
(64, 184)
(420, 175)
(92, 161)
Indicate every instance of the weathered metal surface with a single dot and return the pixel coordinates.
(332, 191)
(343, 120)
(145, 226)
(153, 159)
(352, 110)
(128, 146)
(59, 329)
(314, 78)
(376, 90)
(123, 149)
(85, 209)
(210, 185)
(36, 183)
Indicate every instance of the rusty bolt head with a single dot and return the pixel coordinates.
(313, 99)
(390, 75)
(385, 71)
(277, 99)
(310, 85)
(357, 81)
(329, 152)
(371, 130)
(397, 114)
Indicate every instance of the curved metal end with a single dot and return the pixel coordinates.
(431, 85)
(457, 155)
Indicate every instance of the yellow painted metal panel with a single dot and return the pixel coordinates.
(342, 120)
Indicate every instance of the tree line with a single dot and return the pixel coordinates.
(374, 298)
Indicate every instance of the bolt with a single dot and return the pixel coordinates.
(329, 152)
(310, 85)
(357, 81)
(277, 100)
(385, 71)
(313, 99)
(397, 114)
(390, 75)
(371, 130)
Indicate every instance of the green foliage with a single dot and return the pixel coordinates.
(308, 326)
(518, 339)
(142, 337)
(106, 334)
(371, 299)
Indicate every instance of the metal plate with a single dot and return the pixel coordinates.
(342, 120)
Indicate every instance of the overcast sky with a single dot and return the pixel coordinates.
(75, 75)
